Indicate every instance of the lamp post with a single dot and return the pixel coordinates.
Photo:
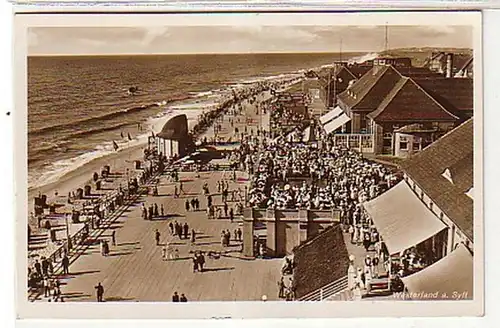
(67, 232)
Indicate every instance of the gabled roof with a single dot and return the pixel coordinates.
(345, 74)
(456, 94)
(407, 101)
(369, 91)
(453, 151)
(320, 261)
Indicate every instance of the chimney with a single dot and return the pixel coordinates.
(449, 65)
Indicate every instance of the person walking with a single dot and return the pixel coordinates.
(100, 292)
(281, 288)
(239, 234)
(181, 188)
(193, 204)
(193, 236)
(186, 230)
(105, 248)
(162, 210)
(226, 209)
(195, 263)
(231, 216)
(156, 213)
(46, 290)
(176, 192)
(187, 205)
(164, 253)
(175, 297)
(201, 261)
(157, 237)
(45, 266)
(65, 264)
(171, 226)
(113, 238)
(38, 268)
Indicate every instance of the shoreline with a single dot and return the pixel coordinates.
(118, 161)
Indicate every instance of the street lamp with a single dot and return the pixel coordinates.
(67, 232)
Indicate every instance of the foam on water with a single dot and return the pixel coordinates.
(154, 124)
(200, 103)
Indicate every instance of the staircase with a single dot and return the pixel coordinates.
(334, 291)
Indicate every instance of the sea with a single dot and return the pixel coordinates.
(79, 105)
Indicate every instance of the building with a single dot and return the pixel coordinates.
(337, 79)
(387, 98)
(432, 209)
(451, 64)
(173, 140)
(407, 104)
(392, 61)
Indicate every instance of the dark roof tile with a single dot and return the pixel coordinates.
(453, 151)
(407, 101)
(320, 261)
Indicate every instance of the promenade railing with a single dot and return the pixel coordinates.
(336, 287)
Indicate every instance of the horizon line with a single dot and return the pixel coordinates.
(197, 53)
(243, 53)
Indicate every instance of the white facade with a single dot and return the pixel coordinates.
(167, 147)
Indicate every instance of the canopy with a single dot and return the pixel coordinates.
(330, 115)
(452, 275)
(336, 123)
(402, 219)
(176, 128)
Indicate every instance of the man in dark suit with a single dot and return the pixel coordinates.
(100, 292)
(175, 297)
(157, 237)
(65, 264)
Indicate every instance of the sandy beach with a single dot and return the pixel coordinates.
(134, 248)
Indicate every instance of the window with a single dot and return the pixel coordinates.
(403, 145)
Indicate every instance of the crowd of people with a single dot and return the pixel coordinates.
(331, 177)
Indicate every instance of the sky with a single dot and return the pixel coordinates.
(239, 39)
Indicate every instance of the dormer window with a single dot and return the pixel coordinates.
(447, 175)
(470, 193)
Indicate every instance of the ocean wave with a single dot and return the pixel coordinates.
(107, 116)
(100, 129)
(363, 58)
(58, 169)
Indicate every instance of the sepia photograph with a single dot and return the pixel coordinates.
(321, 160)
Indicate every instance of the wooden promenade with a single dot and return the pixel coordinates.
(135, 270)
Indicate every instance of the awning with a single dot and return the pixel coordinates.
(336, 123)
(402, 219)
(330, 115)
(453, 275)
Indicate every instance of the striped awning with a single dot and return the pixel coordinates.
(402, 219)
(336, 123)
(330, 115)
